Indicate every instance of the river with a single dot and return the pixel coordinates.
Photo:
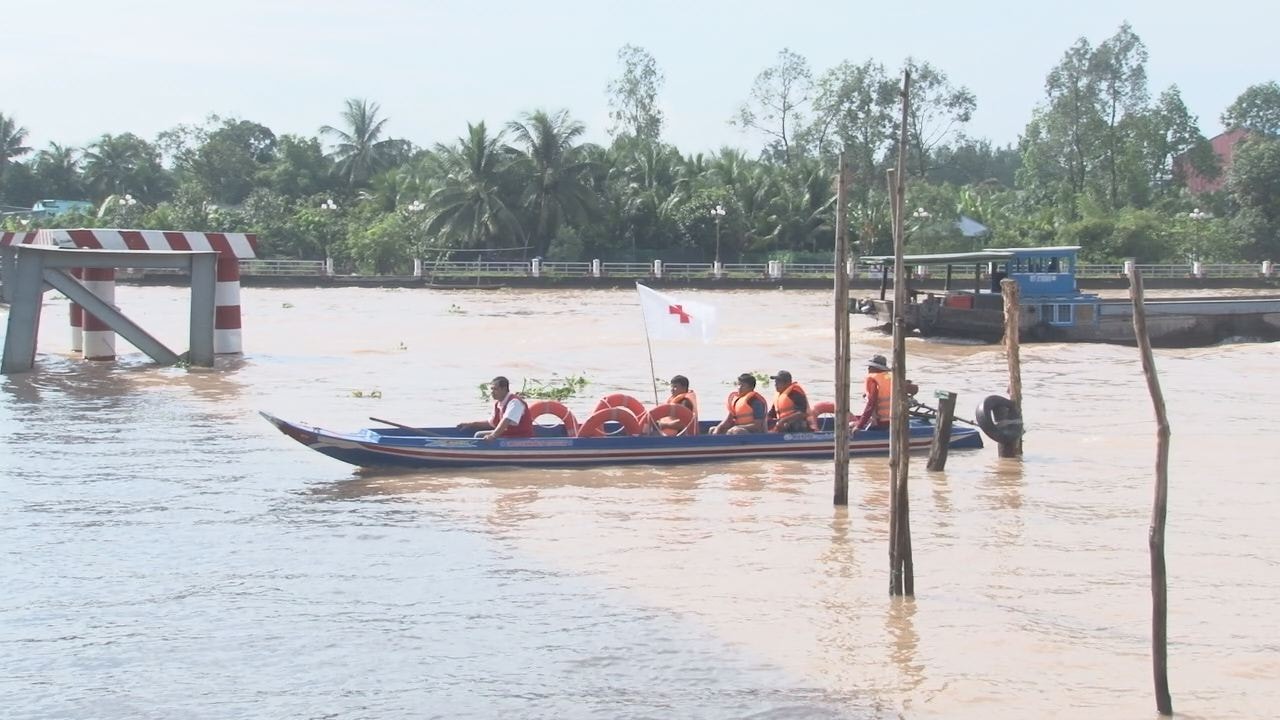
(167, 553)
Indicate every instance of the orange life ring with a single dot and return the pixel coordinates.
(621, 400)
(826, 407)
(551, 407)
(677, 411)
(594, 425)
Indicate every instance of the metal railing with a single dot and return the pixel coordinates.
(552, 269)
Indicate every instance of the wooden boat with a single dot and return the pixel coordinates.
(1052, 308)
(449, 448)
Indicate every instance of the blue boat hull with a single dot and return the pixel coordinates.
(447, 448)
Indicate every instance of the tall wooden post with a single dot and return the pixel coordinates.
(942, 431)
(1155, 534)
(1012, 313)
(902, 574)
(842, 336)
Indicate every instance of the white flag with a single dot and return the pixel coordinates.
(666, 318)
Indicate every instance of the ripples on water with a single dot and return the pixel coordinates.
(168, 554)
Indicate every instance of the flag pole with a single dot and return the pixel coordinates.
(653, 374)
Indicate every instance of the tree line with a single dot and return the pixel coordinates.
(1101, 164)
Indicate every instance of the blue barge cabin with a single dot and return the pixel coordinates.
(1052, 307)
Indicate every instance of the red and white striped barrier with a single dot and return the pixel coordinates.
(77, 317)
(231, 248)
(99, 338)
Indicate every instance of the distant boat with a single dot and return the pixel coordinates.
(1054, 310)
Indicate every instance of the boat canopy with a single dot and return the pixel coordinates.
(937, 258)
(988, 255)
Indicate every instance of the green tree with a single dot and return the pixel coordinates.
(853, 113)
(12, 137)
(1169, 131)
(1254, 184)
(125, 164)
(359, 150)
(226, 164)
(558, 190)
(776, 104)
(937, 108)
(299, 169)
(1257, 109)
(474, 205)
(57, 172)
(1120, 70)
(633, 96)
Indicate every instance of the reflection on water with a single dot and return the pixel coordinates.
(167, 543)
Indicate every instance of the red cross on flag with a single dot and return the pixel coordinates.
(667, 318)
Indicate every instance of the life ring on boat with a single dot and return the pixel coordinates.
(550, 407)
(621, 400)
(826, 407)
(677, 411)
(594, 425)
(999, 418)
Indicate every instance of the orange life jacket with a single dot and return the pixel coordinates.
(689, 397)
(785, 407)
(523, 428)
(884, 396)
(742, 412)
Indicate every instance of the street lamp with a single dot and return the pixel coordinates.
(717, 212)
(329, 205)
(1196, 216)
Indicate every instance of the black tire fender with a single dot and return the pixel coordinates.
(999, 419)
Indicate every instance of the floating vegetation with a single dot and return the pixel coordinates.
(557, 388)
(402, 346)
(286, 305)
(455, 310)
(374, 394)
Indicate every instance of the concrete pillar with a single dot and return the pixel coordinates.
(417, 267)
(77, 317)
(595, 268)
(535, 267)
(226, 307)
(1197, 269)
(328, 266)
(1128, 268)
(99, 340)
(717, 269)
(851, 268)
(657, 268)
(774, 269)
(1268, 268)
(922, 272)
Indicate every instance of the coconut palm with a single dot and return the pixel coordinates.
(473, 206)
(359, 152)
(119, 164)
(559, 179)
(11, 138)
(57, 170)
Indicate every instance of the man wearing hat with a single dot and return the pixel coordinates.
(878, 391)
(790, 411)
(747, 409)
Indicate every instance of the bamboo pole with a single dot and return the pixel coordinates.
(1155, 534)
(841, 495)
(902, 574)
(1012, 312)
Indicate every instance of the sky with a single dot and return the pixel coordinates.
(75, 69)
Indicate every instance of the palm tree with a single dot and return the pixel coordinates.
(559, 187)
(11, 139)
(359, 152)
(57, 168)
(472, 206)
(119, 164)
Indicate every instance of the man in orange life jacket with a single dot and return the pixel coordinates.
(511, 416)
(878, 409)
(680, 395)
(790, 411)
(747, 410)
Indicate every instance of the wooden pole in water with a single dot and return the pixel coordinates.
(902, 574)
(842, 336)
(942, 431)
(1012, 311)
(1155, 534)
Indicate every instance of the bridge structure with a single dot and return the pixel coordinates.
(81, 264)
